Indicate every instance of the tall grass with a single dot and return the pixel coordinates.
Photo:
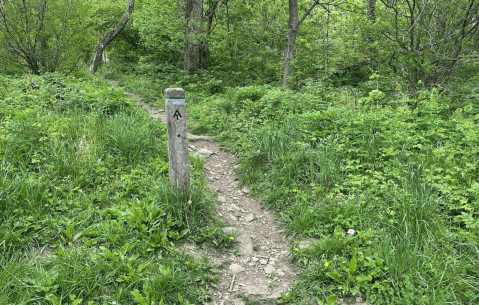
(87, 213)
(290, 162)
(389, 191)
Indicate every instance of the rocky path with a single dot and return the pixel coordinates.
(259, 269)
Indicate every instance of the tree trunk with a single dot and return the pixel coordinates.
(109, 37)
(368, 38)
(204, 54)
(204, 48)
(371, 10)
(194, 49)
(293, 26)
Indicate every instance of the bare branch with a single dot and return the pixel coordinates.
(308, 12)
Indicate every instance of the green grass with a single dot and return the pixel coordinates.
(401, 172)
(87, 212)
(86, 209)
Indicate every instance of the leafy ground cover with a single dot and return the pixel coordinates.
(86, 211)
(387, 185)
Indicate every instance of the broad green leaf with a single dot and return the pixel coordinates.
(142, 266)
(352, 265)
(53, 299)
(332, 299)
(334, 275)
(77, 301)
(139, 297)
(363, 278)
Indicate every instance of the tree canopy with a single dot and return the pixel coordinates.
(425, 42)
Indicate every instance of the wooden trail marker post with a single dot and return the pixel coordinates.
(179, 167)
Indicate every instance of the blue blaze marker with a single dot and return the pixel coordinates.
(171, 101)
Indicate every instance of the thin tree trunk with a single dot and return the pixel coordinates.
(371, 10)
(109, 37)
(293, 26)
(194, 49)
(230, 47)
(204, 49)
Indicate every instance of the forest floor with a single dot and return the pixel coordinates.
(351, 177)
(259, 269)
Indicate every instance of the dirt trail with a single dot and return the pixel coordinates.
(262, 270)
(259, 269)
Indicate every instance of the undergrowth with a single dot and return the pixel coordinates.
(86, 210)
(386, 184)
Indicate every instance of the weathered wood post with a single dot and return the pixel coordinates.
(175, 108)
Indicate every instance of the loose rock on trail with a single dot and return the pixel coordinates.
(260, 268)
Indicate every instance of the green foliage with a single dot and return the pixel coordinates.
(426, 31)
(44, 36)
(86, 209)
(246, 42)
(86, 212)
(127, 47)
(387, 186)
(163, 42)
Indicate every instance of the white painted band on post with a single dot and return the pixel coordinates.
(175, 101)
